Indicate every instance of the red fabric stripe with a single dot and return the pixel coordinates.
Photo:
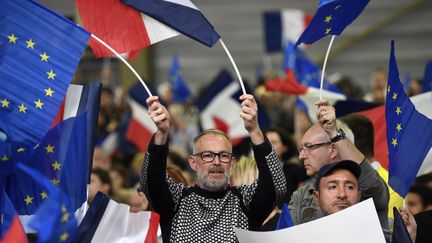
(120, 26)
(378, 119)
(60, 114)
(138, 135)
(151, 236)
(15, 234)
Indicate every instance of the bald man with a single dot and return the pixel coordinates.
(322, 144)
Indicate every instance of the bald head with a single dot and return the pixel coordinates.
(316, 150)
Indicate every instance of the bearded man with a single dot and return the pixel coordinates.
(211, 209)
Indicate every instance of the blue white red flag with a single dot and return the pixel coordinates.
(181, 15)
(219, 107)
(97, 225)
(135, 30)
(282, 26)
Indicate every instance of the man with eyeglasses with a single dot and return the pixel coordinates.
(323, 144)
(210, 210)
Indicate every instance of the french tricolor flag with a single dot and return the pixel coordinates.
(109, 221)
(282, 26)
(181, 15)
(142, 23)
(123, 28)
(11, 229)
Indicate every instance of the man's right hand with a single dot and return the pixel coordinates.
(161, 118)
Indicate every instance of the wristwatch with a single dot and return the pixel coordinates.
(340, 134)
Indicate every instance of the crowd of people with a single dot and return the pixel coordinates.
(203, 186)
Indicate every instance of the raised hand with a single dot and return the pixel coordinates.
(161, 118)
(326, 116)
(249, 114)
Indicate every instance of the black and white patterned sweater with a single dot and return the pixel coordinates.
(192, 214)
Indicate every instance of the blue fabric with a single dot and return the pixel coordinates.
(409, 133)
(62, 157)
(180, 91)
(273, 31)
(306, 72)
(54, 221)
(285, 220)
(188, 21)
(25, 76)
(338, 13)
(92, 218)
(427, 77)
(400, 232)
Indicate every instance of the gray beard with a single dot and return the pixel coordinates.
(213, 186)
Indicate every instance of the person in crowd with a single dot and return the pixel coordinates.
(363, 131)
(378, 83)
(286, 150)
(419, 199)
(322, 144)
(99, 181)
(337, 188)
(138, 201)
(211, 209)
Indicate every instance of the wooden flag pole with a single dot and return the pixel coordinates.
(124, 61)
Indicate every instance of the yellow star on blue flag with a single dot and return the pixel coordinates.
(39, 49)
(409, 133)
(331, 18)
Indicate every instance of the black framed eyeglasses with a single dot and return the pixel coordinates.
(309, 147)
(209, 156)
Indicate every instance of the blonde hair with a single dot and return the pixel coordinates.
(244, 172)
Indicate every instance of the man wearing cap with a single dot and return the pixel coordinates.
(337, 188)
(323, 144)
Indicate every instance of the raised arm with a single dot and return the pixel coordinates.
(270, 187)
(249, 113)
(326, 115)
(161, 118)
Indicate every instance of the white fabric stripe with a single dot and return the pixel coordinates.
(119, 225)
(73, 97)
(422, 103)
(140, 114)
(156, 31)
(186, 3)
(292, 25)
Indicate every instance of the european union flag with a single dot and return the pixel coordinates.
(39, 52)
(62, 157)
(54, 221)
(409, 133)
(180, 90)
(331, 18)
